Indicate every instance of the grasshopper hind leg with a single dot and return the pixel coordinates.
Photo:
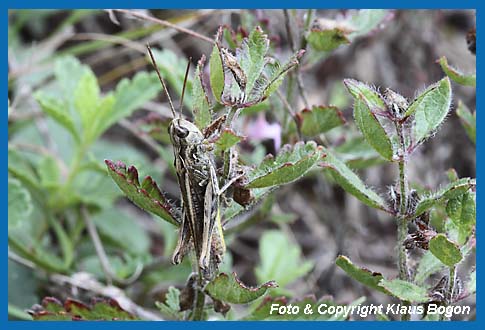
(183, 242)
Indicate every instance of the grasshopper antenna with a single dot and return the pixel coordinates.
(183, 88)
(161, 80)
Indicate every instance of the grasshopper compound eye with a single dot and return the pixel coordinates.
(181, 132)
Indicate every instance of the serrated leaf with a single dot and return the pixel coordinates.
(280, 259)
(357, 153)
(228, 288)
(455, 74)
(468, 120)
(19, 202)
(327, 35)
(430, 109)
(130, 95)
(146, 196)
(73, 310)
(171, 306)
(406, 291)
(462, 211)
(351, 183)
(226, 140)
(86, 99)
(68, 72)
(57, 110)
(251, 56)
(216, 73)
(450, 191)
(290, 164)
(445, 250)
(201, 107)
(367, 100)
(362, 275)
(320, 119)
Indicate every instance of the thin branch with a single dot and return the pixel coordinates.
(290, 111)
(166, 24)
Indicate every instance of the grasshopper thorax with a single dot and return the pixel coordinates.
(184, 133)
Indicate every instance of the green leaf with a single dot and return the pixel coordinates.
(68, 72)
(456, 75)
(73, 310)
(86, 99)
(351, 183)
(228, 288)
(405, 290)
(445, 250)
(171, 306)
(357, 153)
(468, 120)
(226, 140)
(251, 57)
(57, 110)
(216, 73)
(277, 73)
(130, 95)
(19, 202)
(367, 100)
(146, 196)
(430, 109)
(280, 259)
(462, 211)
(320, 119)
(49, 172)
(119, 228)
(291, 164)
(428, 265)
(21, 168)
(201, 107)
(450, 191)
(362, 275)
(366, 20)
(328, 35)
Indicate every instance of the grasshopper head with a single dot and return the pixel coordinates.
(183, 132)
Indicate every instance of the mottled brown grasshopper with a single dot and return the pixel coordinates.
(200, 193)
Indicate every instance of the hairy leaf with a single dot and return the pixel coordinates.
(462, 211)
(445, 250)
(278, 73)
(201, 107)
(146, 196)
(405, 290)
(450, 191)
(456, 75)
(171, 306)
(351, 183)
(428, 265)
(430, 109)
(251, 56)
(363, 275)
(468, 120)
(19, 202)
(290, 164)
(367, 101)
(281, 260)
(320, 119)
(357, 153)
(228, 288)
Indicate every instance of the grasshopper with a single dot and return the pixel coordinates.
(200, 193)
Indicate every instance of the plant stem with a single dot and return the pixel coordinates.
(450, 293)
(402, 224)
(198, 314)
